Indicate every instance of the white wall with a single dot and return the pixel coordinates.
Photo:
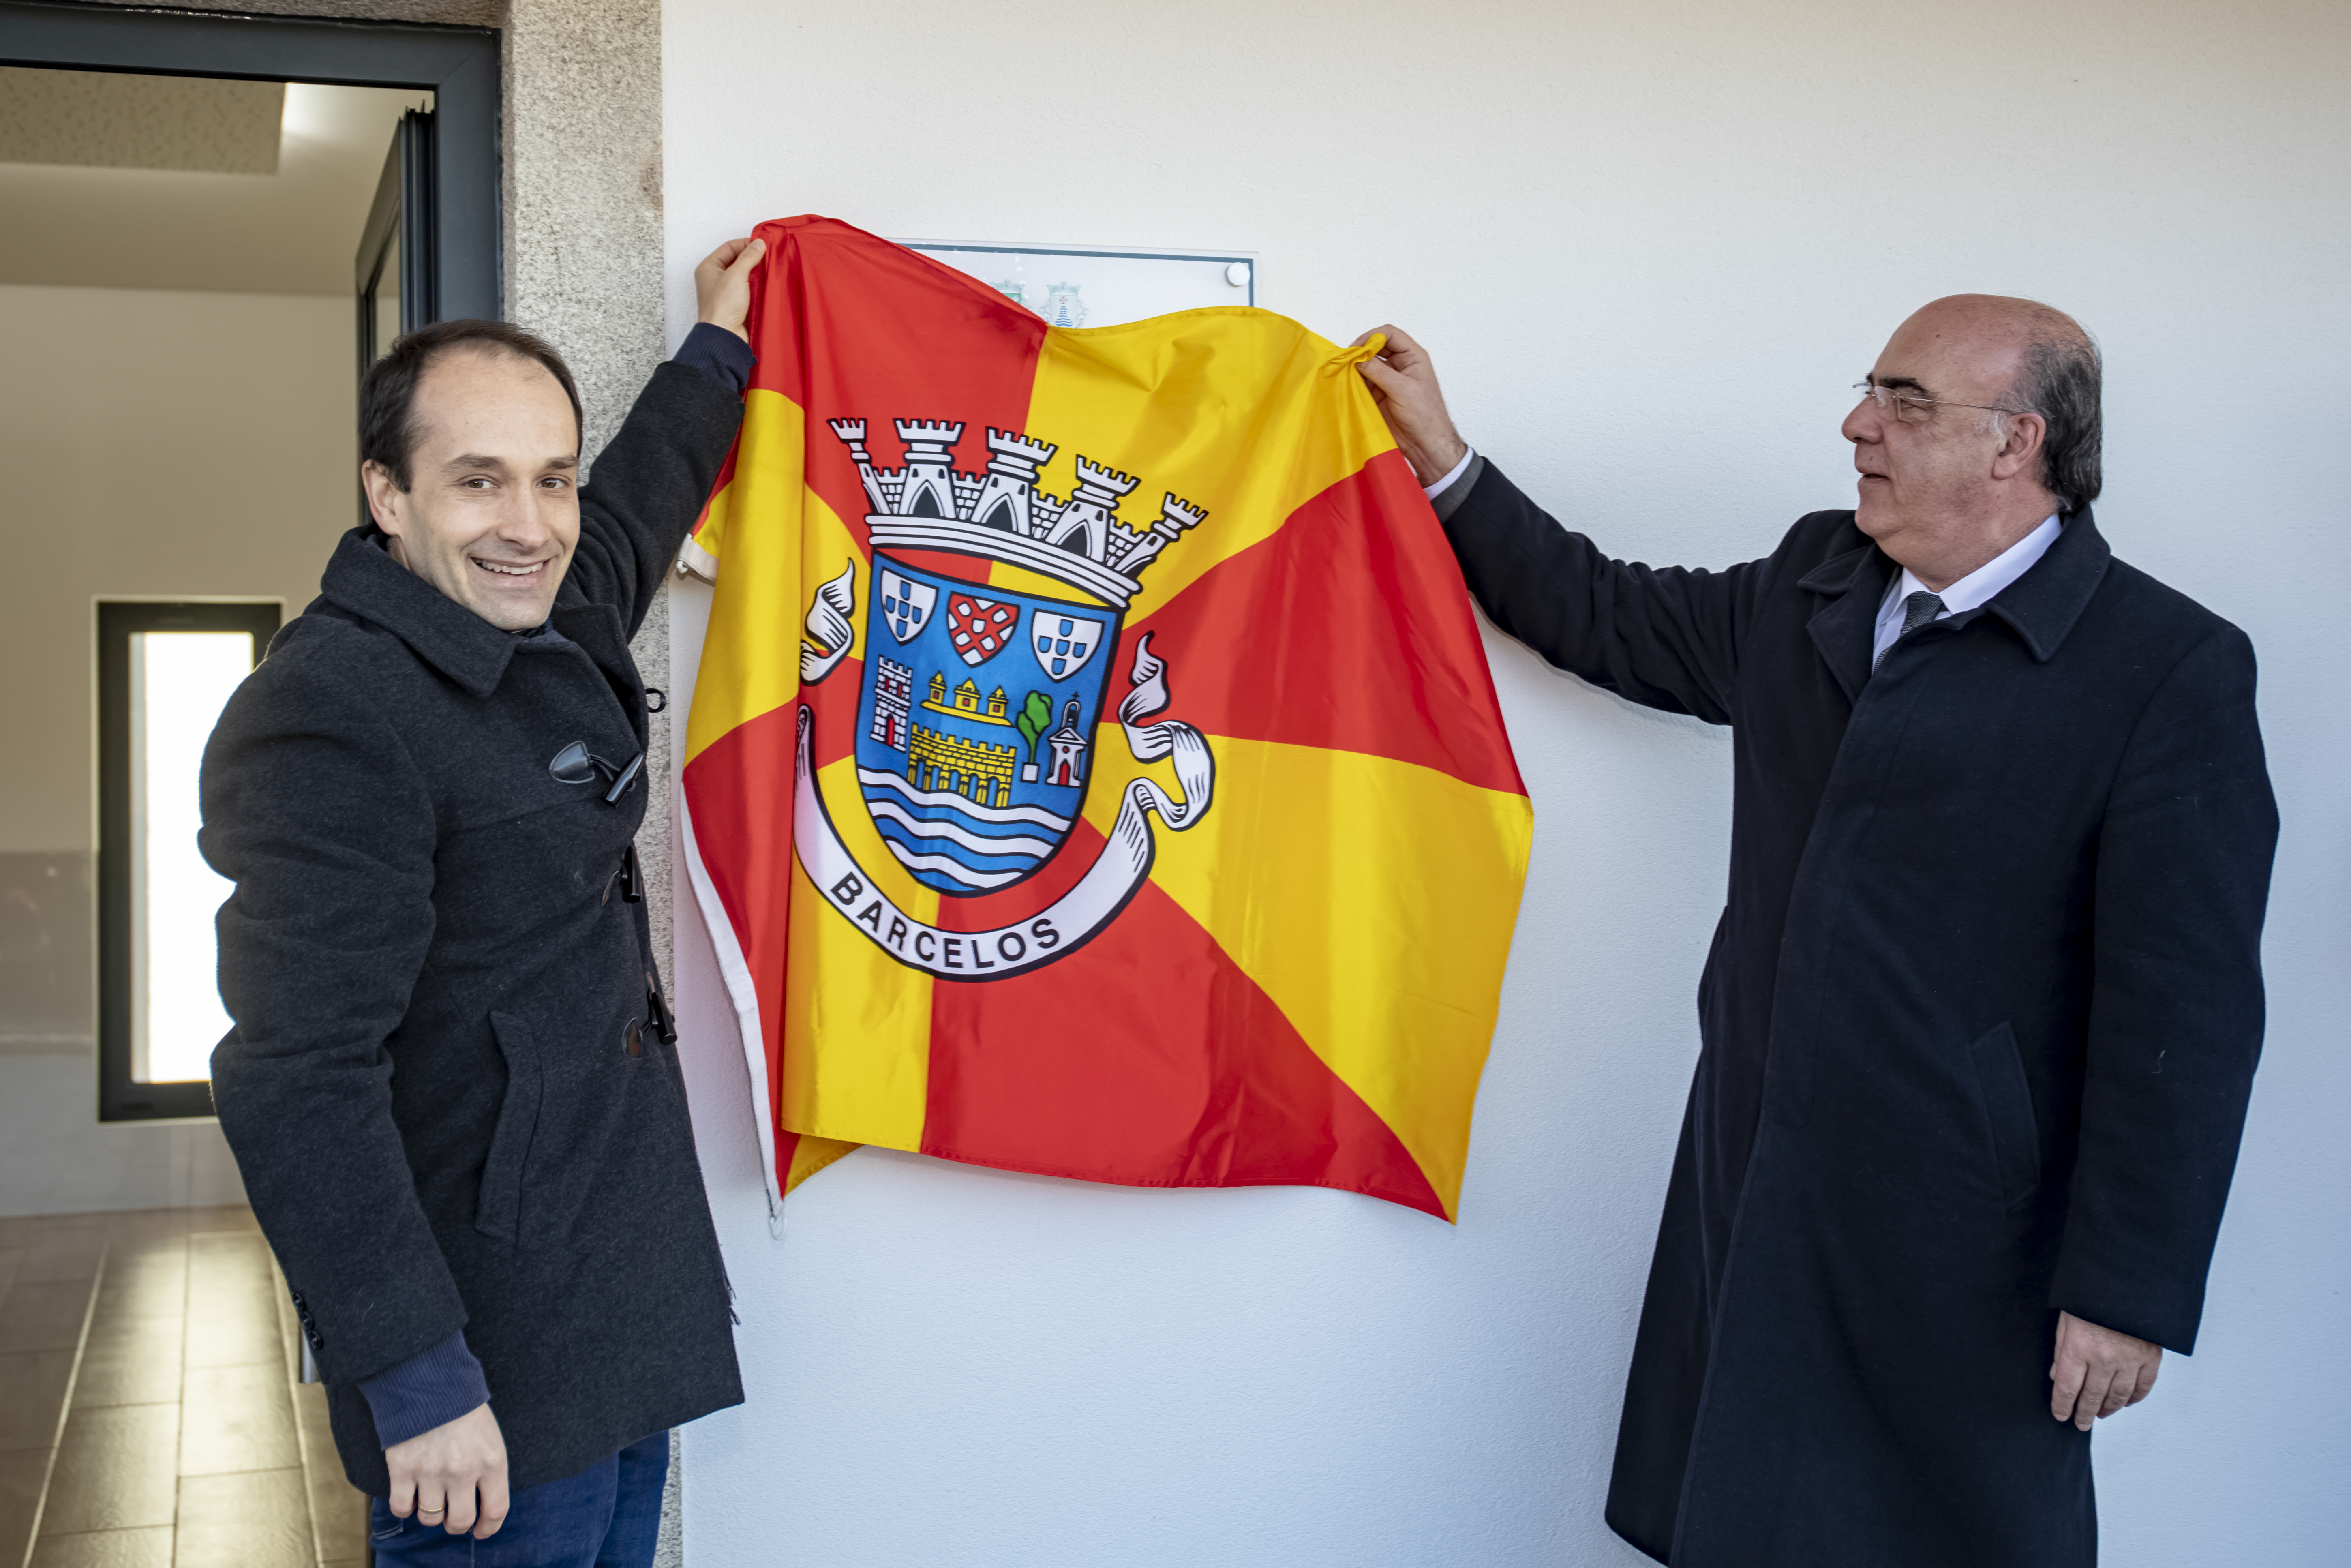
(1651, 246)
(56, 1157)
(152, 443)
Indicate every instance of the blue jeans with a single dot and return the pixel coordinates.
(607, 1516)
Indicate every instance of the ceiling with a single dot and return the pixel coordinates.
(116, 181)
(123, 121)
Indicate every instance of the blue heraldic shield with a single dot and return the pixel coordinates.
(976, 721)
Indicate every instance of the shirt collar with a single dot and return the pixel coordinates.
(2042, 606)
(1977, 588)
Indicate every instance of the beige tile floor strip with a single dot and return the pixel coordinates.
(37, 1264)
(150, 1416)
(106, 1549)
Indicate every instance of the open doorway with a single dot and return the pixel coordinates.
(178, 291)
(201, 218)
(195, 213)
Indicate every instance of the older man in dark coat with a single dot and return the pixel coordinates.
(1981, 1014)
(450, 1084)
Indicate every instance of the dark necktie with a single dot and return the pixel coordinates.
(1918, 610)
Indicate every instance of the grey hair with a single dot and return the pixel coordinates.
(2060, 381)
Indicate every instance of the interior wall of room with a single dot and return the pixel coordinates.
(152, 443)
(1650, 247)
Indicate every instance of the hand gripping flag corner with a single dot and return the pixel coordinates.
(1093, 768)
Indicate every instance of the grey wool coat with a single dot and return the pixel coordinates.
(1978, 1027)
(445, 1084)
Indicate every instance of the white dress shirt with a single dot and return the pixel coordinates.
(1975, 589)
(1469, 455)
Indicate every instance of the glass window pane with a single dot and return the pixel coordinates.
(179, 683)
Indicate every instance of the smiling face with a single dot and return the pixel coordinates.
(491, 514)
(1949, 488)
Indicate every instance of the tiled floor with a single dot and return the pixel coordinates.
(149, 1412)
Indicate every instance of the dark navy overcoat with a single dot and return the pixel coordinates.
(1979, 1026)
(447, 1085)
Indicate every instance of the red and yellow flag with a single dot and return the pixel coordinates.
(1093, 768)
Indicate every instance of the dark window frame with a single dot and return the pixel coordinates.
(458, 65)
(403, 203)
(119, 1097)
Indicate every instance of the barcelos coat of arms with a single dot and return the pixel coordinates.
(981, 706)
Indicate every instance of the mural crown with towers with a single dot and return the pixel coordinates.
(1000, 513)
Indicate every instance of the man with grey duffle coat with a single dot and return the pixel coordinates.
(450, 1081)
(1980, 1017)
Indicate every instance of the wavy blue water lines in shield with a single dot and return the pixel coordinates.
(944, 835)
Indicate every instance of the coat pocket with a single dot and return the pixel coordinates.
(2008, 1106)
(499, 1211)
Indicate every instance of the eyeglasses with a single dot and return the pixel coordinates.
(1911, 408)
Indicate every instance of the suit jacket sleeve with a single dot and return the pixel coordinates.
(2183, 872)
(1664, 637)
(321, 945)
(647, 487)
